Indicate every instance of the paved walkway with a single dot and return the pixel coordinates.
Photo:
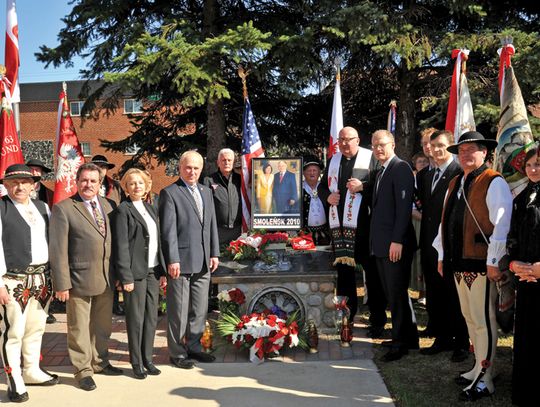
(335, 376)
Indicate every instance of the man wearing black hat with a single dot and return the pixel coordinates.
(471, 241)
(313, 208)
(25, 285)
(40, 192)
(110, 188)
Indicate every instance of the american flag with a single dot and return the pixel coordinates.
(251, 148)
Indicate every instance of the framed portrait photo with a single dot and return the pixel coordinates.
(276, 199)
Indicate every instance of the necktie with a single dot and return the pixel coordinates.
(435, 179)
(198, 201)
(379, 175)
(98, 217)
(280, 178)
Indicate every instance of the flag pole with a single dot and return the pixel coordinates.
(243, 74)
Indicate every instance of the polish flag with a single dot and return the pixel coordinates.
(337, 119)
(69, 156)
(12, 51)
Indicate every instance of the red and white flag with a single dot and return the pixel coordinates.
(69, 156)
(12, 51)
(11, 152)
(337, 118)
(459, 117)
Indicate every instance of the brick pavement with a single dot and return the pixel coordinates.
(54, 348)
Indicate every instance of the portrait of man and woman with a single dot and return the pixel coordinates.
(276, 185)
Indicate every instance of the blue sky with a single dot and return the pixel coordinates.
(39, 24)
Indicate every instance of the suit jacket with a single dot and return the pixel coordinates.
(432, 203)
(131, 241)
(184, 238)
(284, 191)
(79, 255)
(391, 209)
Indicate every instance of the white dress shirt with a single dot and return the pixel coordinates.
(152, 233)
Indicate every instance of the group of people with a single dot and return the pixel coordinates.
(106, 239)
(469, 235)
(90, 246)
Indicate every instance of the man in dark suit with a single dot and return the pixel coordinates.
(349, 174)
(284, 190)
(190, 243)
(446, 321)
(79, 251)
(393, 241)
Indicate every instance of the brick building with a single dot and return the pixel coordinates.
(38, 122)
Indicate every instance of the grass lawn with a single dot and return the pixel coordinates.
(418, 380)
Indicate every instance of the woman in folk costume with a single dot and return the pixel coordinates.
(265, 182)
(314, 215)
(523, 247)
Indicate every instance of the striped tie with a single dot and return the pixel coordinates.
(198, 201)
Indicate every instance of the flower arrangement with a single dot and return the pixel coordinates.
(230, 300)
(249, 247)
(264, 333)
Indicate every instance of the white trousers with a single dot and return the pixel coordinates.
(477, 297)
(21, 331)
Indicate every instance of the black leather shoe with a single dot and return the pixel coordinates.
(119, 310)
(87, 383)
(139, 372)
(435, 349)
(182, 363)
(51, 382)
(51, 319)
(395, 354)
(202, 357)
(387, 344)
(151, 369)
(110, 370)
(474, 394)
(15, 397)
(375, 332)
(459, 355)
(462, 381)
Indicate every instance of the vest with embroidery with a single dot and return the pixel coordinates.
(18, 242)
(464, 246)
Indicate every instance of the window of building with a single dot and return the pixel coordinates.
(132, 106)
(76, 107)
(132, 150)
(87, 152)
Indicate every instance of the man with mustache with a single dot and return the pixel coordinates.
(79, 251)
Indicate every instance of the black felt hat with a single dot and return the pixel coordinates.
(102, 160)
(34, 162)
(19, 171)
(472, 137)
(312, 160)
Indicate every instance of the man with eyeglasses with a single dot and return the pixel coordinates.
(393, 240)
(345, 188)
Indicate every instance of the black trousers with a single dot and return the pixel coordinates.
(141, 307)
(346, 285)
(395, 278)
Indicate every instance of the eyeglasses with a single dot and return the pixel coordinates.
(381, 145)
(346, 140)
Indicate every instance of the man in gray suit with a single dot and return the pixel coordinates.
(190, 243)
(79, 251)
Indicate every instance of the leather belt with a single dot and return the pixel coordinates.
(32, 269)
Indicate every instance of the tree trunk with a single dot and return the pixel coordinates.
(215, 116)
(406, 108)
